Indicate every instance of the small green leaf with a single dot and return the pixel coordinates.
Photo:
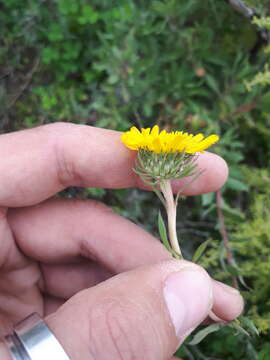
(203, 333)
(208, 199)
(236, 326)
(96, 192)
(199, 251)
(233, 270)
(163, 232)
(237, 185)
(89, 15)
(232, 212)
(212, 83)
(249, 324)
(55, 32)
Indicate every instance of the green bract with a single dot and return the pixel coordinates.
(153, 168)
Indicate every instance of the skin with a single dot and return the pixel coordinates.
(56, 253)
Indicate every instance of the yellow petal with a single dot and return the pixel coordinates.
(145, 131)
(155, 130)
(134, 130)
(198, 137)
(156, 145)
(166, 142)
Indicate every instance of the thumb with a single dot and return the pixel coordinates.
(141, 314)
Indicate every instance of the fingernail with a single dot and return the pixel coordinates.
(228, 289)
(188, 296)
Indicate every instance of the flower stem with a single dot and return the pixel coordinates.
(166, 189)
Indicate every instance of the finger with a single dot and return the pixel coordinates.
(4, 353)
(228, 302)
(142, 314)
(59, 231)
(65, 280)
(37, 163)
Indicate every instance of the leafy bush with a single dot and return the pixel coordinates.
(252, 244)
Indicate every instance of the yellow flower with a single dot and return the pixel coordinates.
(166, 142)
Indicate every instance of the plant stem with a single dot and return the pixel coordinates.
(225, 237)
(166, 189)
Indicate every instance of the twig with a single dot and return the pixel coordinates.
(224, 235)
(241, 109)
(138, 118)
(245, 108)
(262, 33)
(29, 76)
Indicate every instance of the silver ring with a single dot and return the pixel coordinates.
(33, 340)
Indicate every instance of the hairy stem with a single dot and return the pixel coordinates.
(166, 189)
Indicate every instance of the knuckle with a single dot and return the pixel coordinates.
(67, 171)
(97, 209)
(114, 329)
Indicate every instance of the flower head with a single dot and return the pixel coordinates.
(166, 142)
(165, 155)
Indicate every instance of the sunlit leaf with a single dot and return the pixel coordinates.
(200, 250)
(163, 232)
(203, 333)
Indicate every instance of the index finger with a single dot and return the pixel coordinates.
(37, 163)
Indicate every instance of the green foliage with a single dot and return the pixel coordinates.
(250, 241)
(263, 22)
(263, 77)
(116, 65)
(252, 244)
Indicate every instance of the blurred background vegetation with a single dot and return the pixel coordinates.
(193, 65)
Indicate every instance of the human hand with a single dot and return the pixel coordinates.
(56, 253)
